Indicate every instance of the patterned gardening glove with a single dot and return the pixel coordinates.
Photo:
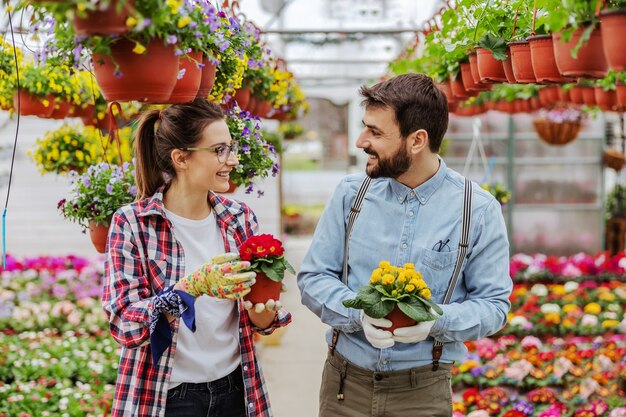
(219, 278)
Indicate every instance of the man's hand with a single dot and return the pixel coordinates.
(379, 338)
(219, 278)
(413, 334)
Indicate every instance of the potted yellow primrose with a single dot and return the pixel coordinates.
(398, 294)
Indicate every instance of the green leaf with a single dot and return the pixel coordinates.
(415, 310)
(379, 310)
(431, 304)
(381, 289)
(496, 45)
(355, 303)
(271, 273)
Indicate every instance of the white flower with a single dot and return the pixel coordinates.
(539, 290)
(570, 286)
(589, 320)
(518, 321)
(550, 308)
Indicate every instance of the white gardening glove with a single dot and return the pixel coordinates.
(379, 338)
(413, 334)
(269, 305)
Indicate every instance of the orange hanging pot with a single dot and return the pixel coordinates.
(543, 61)
(489, 69)
(521, 62)
(576, 94)
(108, 21)
(242, 97)
(620, 92)
(188, 80)
(508, 68)
(613, 29)
(468, 79)
(149, 77)
(208, 78)
(61, 110)
(590, 61)
(458, 89)
(32, 105)
(605, 99)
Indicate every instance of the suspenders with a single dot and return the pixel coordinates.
(462, 253)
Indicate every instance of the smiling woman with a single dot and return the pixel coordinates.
(172, 254)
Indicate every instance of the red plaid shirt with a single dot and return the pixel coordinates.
(142, 259)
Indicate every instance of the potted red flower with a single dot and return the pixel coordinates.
(266, 256)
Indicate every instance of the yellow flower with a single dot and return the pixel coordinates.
(184, 22)
(409, 288)
(384, 264)
(609, 324)
(425, 293)
(376, 275)
(388, 279)
(131, 22)
(139, 49)
(606, 296)
(569, 308)
(409, 266)
(401, 277)
(593, 308)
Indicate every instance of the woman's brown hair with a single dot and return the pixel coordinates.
(160, 132)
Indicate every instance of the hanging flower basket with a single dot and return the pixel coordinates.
(554, 133)
(111, 20)
(614, 158)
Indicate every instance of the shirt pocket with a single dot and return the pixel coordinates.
(436, 269)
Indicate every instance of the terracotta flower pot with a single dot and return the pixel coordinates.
(543, 61)
(605, 99)
(32, 105)
(98, 234)
(458, 89)
(614, 158)
(522, 62)
(522, 106)
(242, 97)
(149, 77)
(490, 70)
(208, 78)
(263, 289)
(548, 96)
(590, 61)
(61, 110)
(564, 96)
(468, 79)
(620, 92)
(576, 94)
(447, 90)
(508, 68)
(398, 319)
(613, 29)
(589, 96)
(186, 88)
(104, 22)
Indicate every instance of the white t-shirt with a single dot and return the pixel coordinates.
(212, 351)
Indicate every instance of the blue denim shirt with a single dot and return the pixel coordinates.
(401, 225)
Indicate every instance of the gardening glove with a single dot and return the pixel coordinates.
(269, 305)
(416, 333)
(219, 279)
(379, 338)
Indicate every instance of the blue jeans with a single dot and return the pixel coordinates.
(223, 397)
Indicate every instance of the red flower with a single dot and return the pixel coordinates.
(514, 413)
(261, 246)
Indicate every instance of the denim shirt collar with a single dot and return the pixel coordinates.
(423, 191)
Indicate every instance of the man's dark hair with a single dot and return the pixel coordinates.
(416, 102)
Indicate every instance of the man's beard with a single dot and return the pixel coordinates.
(392, 167)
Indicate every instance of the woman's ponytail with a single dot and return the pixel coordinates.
(148, 174)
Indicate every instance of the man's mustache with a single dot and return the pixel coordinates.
(370, 152)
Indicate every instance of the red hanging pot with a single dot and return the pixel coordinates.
(590, 61)
(468, 79)
(61, 110)
(508, 68)
(521, 62)
(457, 87)
(548, 96)
(489, 69)
(186, 88)
(576, 94)
(605, 99)
(208, 78)
(242, 97)
(104, 22)
(613, 29)
(564, 96)
(620, 93)
(589, 96)
(32, 105)
(263, 289)
(543, 61)
(98, 234)
(149, 77)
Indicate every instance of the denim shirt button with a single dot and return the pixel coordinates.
(404, 246)
(411, 213)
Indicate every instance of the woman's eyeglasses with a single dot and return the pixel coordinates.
(222, 151)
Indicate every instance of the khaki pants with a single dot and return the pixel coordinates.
(416, 392)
